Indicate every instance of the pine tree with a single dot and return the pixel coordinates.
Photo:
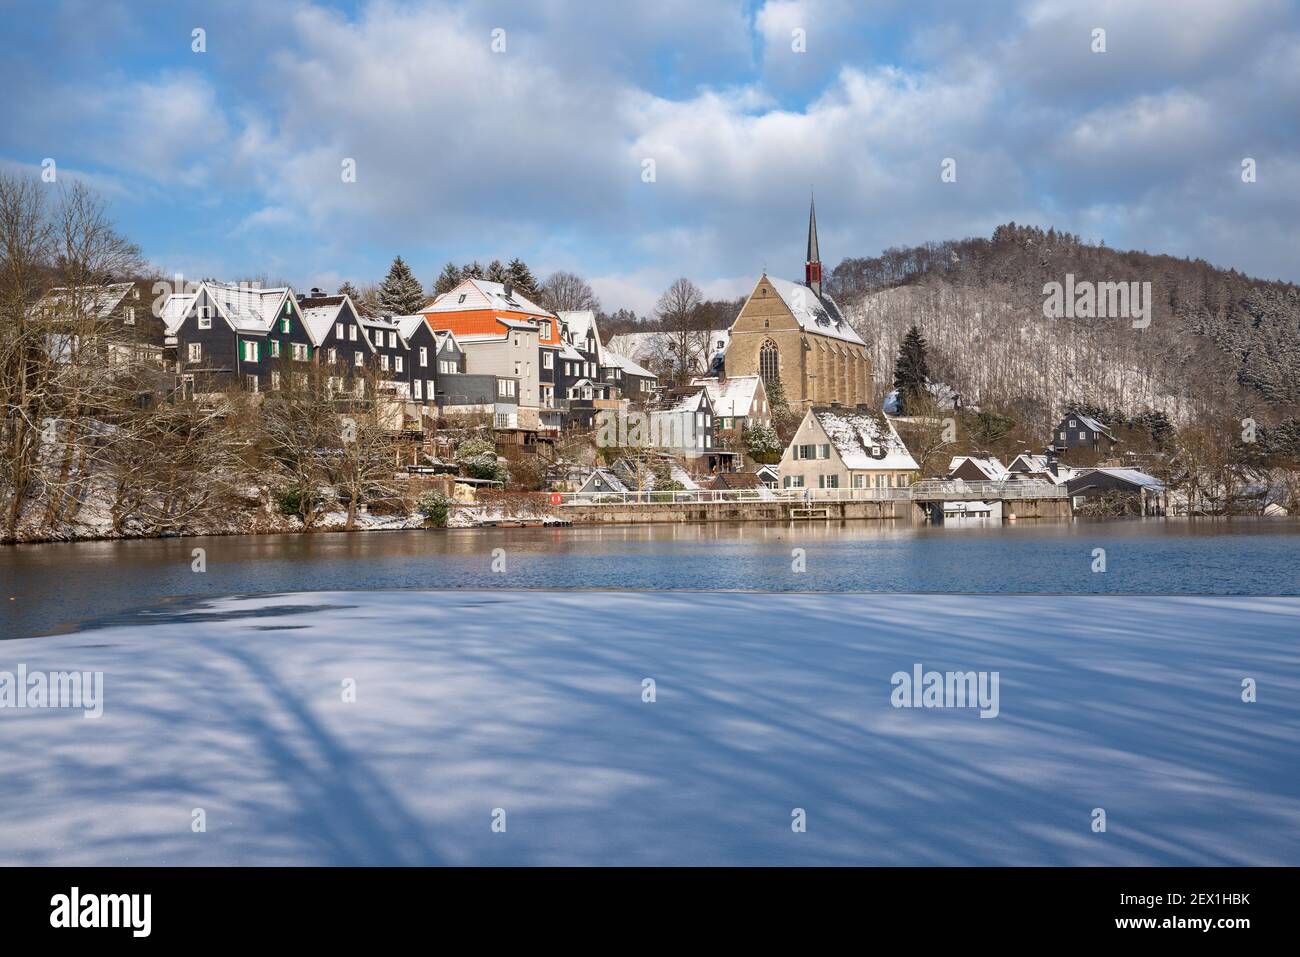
(521, 277)
(448, 279)
(400, 294)
(472, 270)
(496, 272)
(911, 373)
(347, 289)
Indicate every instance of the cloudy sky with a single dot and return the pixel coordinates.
(228, 163)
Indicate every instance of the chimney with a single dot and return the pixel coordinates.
(317, 292)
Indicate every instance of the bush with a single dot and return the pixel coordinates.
(763, 444)
(297, 501)
(435, 507)
(478, 457)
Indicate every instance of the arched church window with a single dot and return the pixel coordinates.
(769, 364)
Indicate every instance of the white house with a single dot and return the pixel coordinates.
(838, 448)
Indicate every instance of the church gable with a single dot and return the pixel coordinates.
(764, 310)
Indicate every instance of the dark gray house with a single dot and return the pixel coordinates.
(1082, 432)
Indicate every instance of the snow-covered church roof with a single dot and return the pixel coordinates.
(814, 313)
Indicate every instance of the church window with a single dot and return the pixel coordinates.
(769, 364)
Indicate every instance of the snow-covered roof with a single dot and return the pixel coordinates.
(856, 434)
(1132, 476)
(101, 299)
(1093, 424)
(407, 326)
(579, 322)
(1028, 463)
(319, 314)
(814, 313)
(613, 360)
(482, 294)
(733, 396)
(247, 308)
(989, 466)
(691, 402)
(571, 354)
(176, 309)
(608, 477)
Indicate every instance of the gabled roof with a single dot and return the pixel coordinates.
(733, 396)
(608, 477)
(102, 299)
(570, 354)
(1092, 424)
(408, 326)
(736, 480)
(483, 294)
(695, 401)
(247, 308)
(176, 309)
(855, 435)
(814, 313)
(579, 322)
(994, 470)
(612, 360)
(319, 314)
(1131, 476)
(1028, 462)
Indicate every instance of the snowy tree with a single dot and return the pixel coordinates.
(400, 294)
(349, 290)
(496, 272)
(473, 270)
(521, 277)
(447, 280)
(564, 291)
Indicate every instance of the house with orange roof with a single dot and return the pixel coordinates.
(504, 333)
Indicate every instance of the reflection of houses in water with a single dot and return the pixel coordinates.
(957, 511)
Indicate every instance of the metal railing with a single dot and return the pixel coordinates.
(920, 492)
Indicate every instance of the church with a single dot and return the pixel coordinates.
(794, 334)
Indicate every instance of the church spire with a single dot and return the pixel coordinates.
(812, 268)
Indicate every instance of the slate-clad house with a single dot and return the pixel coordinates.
(975, 468)
(223, 335)
(335, 325)
(1077, 431)
(122, 314)
(1147, 491)
(636, 383)
(391, 355)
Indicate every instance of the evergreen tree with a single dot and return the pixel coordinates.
(911, 372)
(400, 294)
(496, 272)
(472, 270)
(447, 280)
(521, 277)
(347, 289)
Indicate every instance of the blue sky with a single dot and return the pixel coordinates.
(228, 163)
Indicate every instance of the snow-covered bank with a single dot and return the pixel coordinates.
(532, 702)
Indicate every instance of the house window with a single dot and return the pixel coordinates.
(205, 317)
(880, 481)
(793, 481)
(358, 358)
(250, 382)
(352, 333)
(1074, 424)
(505, 388)
(823, 451)
(392, 340)
(275, 348)
(275, 378)
(249, 351)
(332, 355)
(338, 330)
(1062, 436)
(769, 361)
(461, 299)
(397, 363)
(129, 318)
(135, 293)
(286, 324)
(194, 352)
(1082, 435)
(548, 360)
(418, 389)
(301, 353)
(424, 356)
(828, 481)
(446, 366)
(518, 366)
(859, 480)
(383, 362)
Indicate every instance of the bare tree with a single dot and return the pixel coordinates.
(686, 343)
(565, 292)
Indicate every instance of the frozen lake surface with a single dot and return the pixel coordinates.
(531, 702)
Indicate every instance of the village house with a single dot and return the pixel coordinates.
(119, 315)
(846, 448)
(796, 335)
(1145, 492)
(636, 383)
(505, 334)
(975, 468)
(341, 344)
(1077, 431)
(739, 402)
(686, 425)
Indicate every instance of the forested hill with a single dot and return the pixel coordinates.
(1218, 340)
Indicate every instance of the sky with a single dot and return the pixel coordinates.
(500, 129)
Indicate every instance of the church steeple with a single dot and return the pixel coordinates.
(812, 267)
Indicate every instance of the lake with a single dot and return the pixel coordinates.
(60, 587)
